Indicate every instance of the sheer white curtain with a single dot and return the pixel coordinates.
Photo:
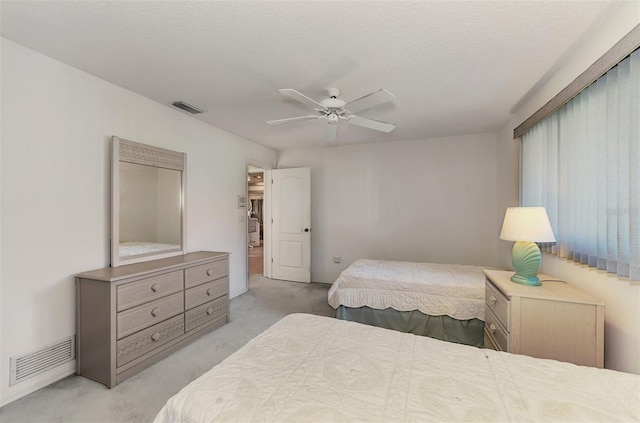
(583, 164)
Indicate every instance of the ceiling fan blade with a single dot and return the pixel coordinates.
(369, 100)
(290, 120)
(330, 131)
(290, 92)
(372, 124)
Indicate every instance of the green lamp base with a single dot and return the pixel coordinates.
(526, 259)
(526, 280)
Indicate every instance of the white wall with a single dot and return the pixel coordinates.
(428, 200)
(57, 122)
(621, 297)
(508, 186)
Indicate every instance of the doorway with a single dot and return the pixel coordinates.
(255, 220)
(278, 223)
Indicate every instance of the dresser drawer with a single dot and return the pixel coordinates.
(206, 313)
(498, 303)
(498, 335)
(148, 314)
(206, 272)
(147, 340)
(206, 292)
(140, 292)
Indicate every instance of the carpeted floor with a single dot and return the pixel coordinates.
(138, 399)
(256, 259)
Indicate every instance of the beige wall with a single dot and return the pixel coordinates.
(431, 200)
(56, 127)
(621, 297)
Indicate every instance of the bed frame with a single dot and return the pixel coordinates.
(444, 328)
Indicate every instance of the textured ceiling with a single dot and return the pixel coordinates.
(454, 67)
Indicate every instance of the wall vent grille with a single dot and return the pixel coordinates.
(188, 107)
(46, 358)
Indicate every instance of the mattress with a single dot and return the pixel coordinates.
(453, 290)
(312, 368)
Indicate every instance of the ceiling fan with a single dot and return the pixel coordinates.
(333, 109)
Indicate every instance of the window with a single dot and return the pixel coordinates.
(583, 164)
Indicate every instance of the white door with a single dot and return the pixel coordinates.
(291, 224)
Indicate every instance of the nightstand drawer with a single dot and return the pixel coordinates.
(497, 303)
(489, 342)
(493, 329)
(206, 272)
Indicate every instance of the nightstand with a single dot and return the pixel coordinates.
(555, 320)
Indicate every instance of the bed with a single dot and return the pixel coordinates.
(443, 301)
(320, 369)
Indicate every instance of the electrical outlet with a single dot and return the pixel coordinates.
(337, 259)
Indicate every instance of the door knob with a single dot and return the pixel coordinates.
(306, 229)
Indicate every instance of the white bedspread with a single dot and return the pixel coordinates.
(454, 290)
(316, 369)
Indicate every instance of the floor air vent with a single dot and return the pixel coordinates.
(46, 358)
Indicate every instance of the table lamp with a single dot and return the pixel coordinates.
(526, 226)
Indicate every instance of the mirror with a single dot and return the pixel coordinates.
(147, 203)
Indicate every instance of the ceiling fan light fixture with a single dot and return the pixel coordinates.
(332, 119)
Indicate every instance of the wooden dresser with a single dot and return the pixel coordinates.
(555, 320)
(132, 316)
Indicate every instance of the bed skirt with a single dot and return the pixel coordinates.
(445, 328)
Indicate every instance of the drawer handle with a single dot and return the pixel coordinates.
(493, 300)
(209, 311)
(209, 292)
(154, 311)
(154, 287)
(209, 272)
(492, 328)
(155, 336)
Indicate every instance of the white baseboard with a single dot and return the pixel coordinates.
(234, 294)
(29, 386)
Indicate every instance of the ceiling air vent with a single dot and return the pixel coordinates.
(188, 107)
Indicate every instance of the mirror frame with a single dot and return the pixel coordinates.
(137, 153)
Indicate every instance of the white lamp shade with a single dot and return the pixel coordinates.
(527, 224)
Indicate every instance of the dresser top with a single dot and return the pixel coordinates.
(551, 288)
(114, 274)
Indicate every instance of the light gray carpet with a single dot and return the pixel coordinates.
(138, 399)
